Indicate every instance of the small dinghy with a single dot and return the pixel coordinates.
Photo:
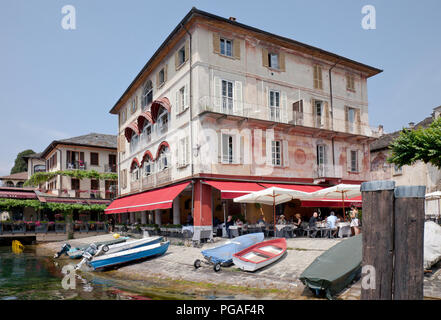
(260, 255)
(109, 260)
(223, 255)
(77, 252)
(335, 269)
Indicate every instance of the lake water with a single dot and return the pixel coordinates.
(32, 276)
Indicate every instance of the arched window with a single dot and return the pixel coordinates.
(134, 143)
(163, 120)
(149, 167)
(20, 184)
(9, 184)
(134, 170)
(163, 158)
(147, 132)
(147, 94)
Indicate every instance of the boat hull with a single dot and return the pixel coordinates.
(76, 253)
(129, 255)
(224, 253)
(336, 268)
(133, 244)
(256, 257)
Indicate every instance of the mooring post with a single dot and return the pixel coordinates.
(409, 243)
(378, 238)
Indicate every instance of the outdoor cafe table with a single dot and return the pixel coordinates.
(344, 229)
(280, 229)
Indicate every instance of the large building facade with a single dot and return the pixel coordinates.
(222, 109)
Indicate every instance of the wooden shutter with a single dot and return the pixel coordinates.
(358, 120)
(157, 79)
(136, 102)
(268, 147)
(284, 103)
(123, 143)
(265, 61)
(187, 50)
(346, 118)
(177, 59)
(236, 49)
(178, 101)
(216, 43)
(285, 150)
(326, 114)
(217, 93)
(360, 160)
(282, 61)
(236, 148)
(348, 159)
(266, 98)
(187, 150)
(237, 98)
(186, 103)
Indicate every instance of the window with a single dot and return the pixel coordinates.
(133, 106)
(135, 172)
(318, 83)
(276, 153)
(351, 118)
(227, 96)
(75, 160)
(163, 121)
(161, 77)
(148, 167)
(147, 132)
(181, 56)
(163, 159)
(297, 108)
(273, 60)
(350, 83)
(226, 47)
(321, 155)
(94, 159)
(147, 95)
(39, 168)
(274, 104)
(94, 185)
(354, 161)
(181, 99)
(318, 110)
(134, 143)
(227, 148)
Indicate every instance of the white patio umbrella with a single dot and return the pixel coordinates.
(434, 196)
(272, 196)
(340, 191)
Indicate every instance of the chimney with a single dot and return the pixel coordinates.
(411, 125)
(380, 130)
(232, 18)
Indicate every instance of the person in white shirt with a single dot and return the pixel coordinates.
(331, 220)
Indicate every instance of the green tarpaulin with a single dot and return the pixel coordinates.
(336, 268)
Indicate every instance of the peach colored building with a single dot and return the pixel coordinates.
(222, 109)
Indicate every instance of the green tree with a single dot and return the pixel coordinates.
(412, 145)
(20, 164)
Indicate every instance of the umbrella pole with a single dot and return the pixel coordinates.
(343, 206)
(274, 212)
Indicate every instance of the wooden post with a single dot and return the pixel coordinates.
(409, 243)
(378, 237)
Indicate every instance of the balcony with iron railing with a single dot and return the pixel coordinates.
(110, 168)
(282, 114)
(76, 165)
(328, 171)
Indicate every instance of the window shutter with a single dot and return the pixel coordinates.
(216, 43)
(217, 93)
(165, 73)
(187, 50)
(269, 155)
(136, 102)
(157, 79)
(220, 149)
(320, 82)
(284, 107)
(327, 116)
(177, 59)
(267, 101)
(282, 61)
(178, 101)
(285, 149)
(224, 144)
(236, 48)
(348, 160)
(360, 160)
(346, 119)
(237, 98)
(236, 148)
(185, 98)
(187, 150)
(358, 116)
(265, 57)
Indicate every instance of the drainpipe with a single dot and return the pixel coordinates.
(332, 111)
(191, 118)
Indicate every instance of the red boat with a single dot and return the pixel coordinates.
(260, 255)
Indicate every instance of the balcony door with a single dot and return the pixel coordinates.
(74, 159)
(112, 162)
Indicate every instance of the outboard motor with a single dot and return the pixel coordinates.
(64, 249)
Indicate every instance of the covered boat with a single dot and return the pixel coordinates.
(131, 255)
(336, 268)
(260, 254)
(223, 255)
(77, 252)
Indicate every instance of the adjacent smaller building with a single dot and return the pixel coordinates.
(416, 174)
(14, 180)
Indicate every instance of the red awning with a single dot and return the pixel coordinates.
(150, 200)
(231, 189)
(157, 104)
(130, 130)
(297, 187)
(146, 115)
(333, 203)
(18, 194)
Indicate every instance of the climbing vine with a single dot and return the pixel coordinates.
(41, 177)
(8, 204)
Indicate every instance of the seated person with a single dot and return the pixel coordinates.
(331, 223)
(281, 220)
(312, 225)
(239, 223)
(298, 220)
(228, 224)
(261, 220)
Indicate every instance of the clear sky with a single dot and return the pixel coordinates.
(57, 83)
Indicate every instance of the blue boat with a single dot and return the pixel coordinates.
(77, 252)
(223, 255)
(131, 255)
